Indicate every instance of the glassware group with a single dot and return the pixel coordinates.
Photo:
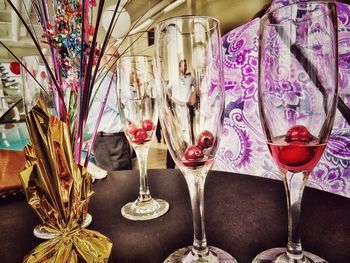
(186, 79)
(191, 100)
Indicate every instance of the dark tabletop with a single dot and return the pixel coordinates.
(244, 215)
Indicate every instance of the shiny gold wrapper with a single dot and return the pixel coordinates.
(59, 190)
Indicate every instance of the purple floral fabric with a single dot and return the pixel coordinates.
(243, 148)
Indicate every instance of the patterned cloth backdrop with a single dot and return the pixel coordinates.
(243, 148)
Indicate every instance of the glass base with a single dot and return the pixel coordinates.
(145, 210)
(41, 233)
(216, 255)
(279, 255)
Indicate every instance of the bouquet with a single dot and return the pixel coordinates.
(55, 180)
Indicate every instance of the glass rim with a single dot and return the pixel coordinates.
(183, 17)
(265, 17)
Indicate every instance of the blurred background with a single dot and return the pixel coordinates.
(135, 15)
(138, 15)
(231, 14)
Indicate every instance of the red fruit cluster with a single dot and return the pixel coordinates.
(195, 152)
(298, 133)
(140, 135)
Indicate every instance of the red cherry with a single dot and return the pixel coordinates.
(131, 130)
(147, 125)
(296, 154)
(141, 134)
(205, 139)
(194, 153)
(298, 133)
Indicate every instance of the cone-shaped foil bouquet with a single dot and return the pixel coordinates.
(59, 190)
(57, 187)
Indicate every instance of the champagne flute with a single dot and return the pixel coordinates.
(139, 115)
(297, 101)
(191, 106)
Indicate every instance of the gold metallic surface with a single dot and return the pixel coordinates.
(58, 190)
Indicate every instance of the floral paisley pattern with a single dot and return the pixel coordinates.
(243, 148)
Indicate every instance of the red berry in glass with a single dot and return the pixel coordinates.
(147, 125)
(297, 157)
(141, 134)
(131, 130)
(298, 133)
(205, 139)
(194, 153)
(295, 154)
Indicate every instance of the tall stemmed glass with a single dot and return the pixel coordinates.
(297, 102)
(139, 115)
(191, 105)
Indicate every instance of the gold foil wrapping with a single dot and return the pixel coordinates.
(59, 190)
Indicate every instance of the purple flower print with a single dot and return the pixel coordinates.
(338, 149)
(291, 98)
(241, 57)
(243, 147)
(247, 70)
(242, 157)
(328, 178)
(343, 14)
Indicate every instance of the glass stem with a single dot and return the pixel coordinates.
(195, 182)
(294, 185)
(144, 194)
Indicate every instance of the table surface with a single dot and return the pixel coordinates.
(244, 215)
